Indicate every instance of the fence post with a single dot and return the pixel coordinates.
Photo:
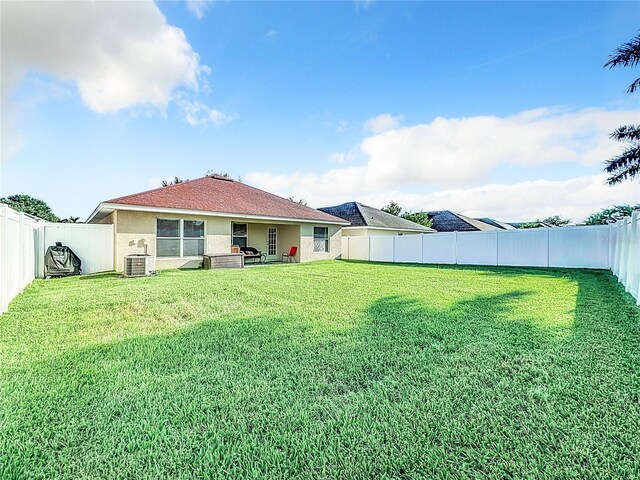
(422, 248)
(611, 248)
(548, 247)
(393, 249)
(455, 250)
(369, 248)
(21, 235)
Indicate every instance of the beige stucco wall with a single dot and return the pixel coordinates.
(288, 237)
(136, 231)
(306, 243)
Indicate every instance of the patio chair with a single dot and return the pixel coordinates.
(291, 255)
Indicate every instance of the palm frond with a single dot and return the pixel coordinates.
(635, 85)
(626, 55)
(626, 133)
(625, 166)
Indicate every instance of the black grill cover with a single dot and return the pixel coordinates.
(60, 261)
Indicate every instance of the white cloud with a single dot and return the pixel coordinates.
(574, 198)
(198, 7)
(118, 54)
(382, 123)
(196, 113)
(338, 158)
(452, 154)
(270, 34)
(462, 151)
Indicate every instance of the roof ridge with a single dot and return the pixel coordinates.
(157, 188)
(364, 220)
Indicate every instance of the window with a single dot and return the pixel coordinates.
(239, 234)
(193, 238)
(179, 238)
(168, 241)
(320, 239)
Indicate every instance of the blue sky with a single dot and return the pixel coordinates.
(493, 109)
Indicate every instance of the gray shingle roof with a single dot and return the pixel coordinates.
(364, 216)
(448, 221)
(497, 223)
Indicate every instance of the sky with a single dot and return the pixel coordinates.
(489, 109)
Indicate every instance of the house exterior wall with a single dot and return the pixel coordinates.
(135, 231)
(306, 243)
(286, 236)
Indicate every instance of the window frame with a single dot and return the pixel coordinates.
(327, 246)
(182, 238)
(246, 235)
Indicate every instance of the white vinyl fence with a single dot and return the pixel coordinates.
(18, 244)
(24, 241)
(615, 247)
(625, 254)
(92, 243)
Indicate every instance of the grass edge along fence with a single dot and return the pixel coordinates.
(614, 247)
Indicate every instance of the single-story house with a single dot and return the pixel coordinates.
(179, 223)
(448, 221)
(369, 221)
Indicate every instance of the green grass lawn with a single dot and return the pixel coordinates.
(323, 370)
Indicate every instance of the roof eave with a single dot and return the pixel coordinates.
(143, 208)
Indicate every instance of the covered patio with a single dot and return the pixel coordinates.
(270, 239)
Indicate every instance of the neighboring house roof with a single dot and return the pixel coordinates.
(497, 223)
(360, 215)
(536, 223)
(448, 221)
(215, 193)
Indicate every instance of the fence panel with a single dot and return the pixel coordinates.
(408, 249)
(523, 247)
(92, 243)
(439, 248)
(627, 264)
(358, 248)
(18, 235)
(477, 248)
(579, 247)
(381, 249)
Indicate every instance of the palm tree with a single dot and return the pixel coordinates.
(626, 166)
(175, 181)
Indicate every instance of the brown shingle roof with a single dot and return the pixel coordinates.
(219, 194)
